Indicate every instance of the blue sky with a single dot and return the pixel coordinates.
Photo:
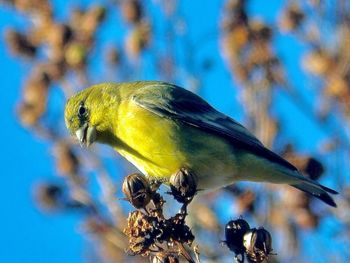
(27, 235)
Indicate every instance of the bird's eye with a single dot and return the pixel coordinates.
(82, 111)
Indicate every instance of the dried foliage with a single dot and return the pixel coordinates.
(150, 233)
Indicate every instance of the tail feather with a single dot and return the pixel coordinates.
(311, 187)
(318, 191)
(329, 190)
(281, 175)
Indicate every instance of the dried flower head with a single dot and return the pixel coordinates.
(150, 233)
(139, 232)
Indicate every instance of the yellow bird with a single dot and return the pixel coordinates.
(161, 128)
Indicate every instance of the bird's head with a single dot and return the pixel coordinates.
(87, 114)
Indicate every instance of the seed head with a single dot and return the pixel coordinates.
(137, 190)
(183, 185)
(234, 232)
(258, 244)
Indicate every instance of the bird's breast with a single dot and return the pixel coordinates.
(150, 142)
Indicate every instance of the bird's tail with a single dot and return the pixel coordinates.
(319, 191)
(266, 171)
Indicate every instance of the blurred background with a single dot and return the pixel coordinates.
(281, 68)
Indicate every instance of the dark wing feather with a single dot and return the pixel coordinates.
(176, 103)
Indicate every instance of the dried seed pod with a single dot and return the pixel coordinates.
(53, 70)
(258, 244)
(59, 35)
(306, 219)
(183, 185)
(98, 13)
(28, 114)
(138, 39)
(234, 232)
(131, 11)
(292, 18)
(90, 20)
(76, 55)
(259, 31)
(52, 197)
(113, 56)
(137, 190)
(245, 201)
(314, 168)
(320, 62)
(20, 44)
(67, 163)
(49, 196)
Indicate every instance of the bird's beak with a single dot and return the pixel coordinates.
(86, 135)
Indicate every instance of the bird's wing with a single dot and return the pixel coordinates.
(170, 101)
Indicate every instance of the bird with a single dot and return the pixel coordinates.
(161, 128)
